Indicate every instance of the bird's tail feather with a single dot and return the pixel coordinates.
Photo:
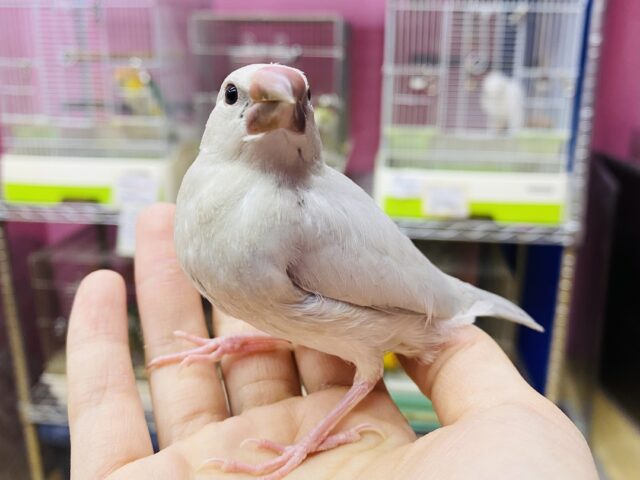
(491, 305)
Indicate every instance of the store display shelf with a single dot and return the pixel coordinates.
(79, 213)
(453, 230)
(489, 231)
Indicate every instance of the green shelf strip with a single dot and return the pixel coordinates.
(543, 213)
(38, 194)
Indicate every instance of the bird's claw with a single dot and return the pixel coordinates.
(274, 469)
(351, 435)
(264, 444)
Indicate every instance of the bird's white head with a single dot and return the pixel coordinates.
(263, 115)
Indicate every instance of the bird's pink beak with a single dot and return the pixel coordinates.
(278, 95)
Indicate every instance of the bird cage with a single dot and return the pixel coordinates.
(314, 44)
(93, 77)
(478, 106)
(91, 93)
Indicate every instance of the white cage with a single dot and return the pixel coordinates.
(314, 44)
(93, 78)
(478, 107)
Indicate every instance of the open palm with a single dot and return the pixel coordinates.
(495, 425)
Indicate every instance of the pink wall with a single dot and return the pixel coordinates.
(617, 102)
(366, 23)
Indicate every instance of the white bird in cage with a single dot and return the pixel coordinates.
(503, 102)
(271, 235)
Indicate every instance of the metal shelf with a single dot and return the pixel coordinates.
(80, 213)
(461, 230)
(489, 231)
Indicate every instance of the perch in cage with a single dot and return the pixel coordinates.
(87, 80)
(313, 44)
(478, 102)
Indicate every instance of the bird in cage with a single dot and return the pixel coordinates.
(137, 91)
(327, 113)
(270, 234)
(502, 100)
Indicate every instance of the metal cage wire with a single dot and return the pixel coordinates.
(93, 77)
(483, 85)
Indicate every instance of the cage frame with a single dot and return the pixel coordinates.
(567, 229)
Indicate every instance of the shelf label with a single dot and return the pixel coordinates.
(405, 186)
(446, 200)
(134, 191)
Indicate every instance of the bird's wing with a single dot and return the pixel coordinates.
(354, 253)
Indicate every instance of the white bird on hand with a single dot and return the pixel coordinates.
(271, 235)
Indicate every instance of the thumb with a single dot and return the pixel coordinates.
(470, 373)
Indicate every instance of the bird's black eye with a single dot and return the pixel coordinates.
(309, 94)
(231, 94)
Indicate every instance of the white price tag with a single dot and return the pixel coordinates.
(447, 200)
(134, 191)
(405, 186)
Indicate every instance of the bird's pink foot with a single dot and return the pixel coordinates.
(212, 350)
(348, 436)
(351, 435)
(289, 456)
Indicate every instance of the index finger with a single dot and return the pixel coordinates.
(106, 420)
(471, 373)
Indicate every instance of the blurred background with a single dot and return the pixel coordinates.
(503, 136)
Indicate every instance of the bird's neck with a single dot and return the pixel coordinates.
(292, 163)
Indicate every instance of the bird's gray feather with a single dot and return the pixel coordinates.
(353, 252)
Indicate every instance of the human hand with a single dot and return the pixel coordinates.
(494, 424)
